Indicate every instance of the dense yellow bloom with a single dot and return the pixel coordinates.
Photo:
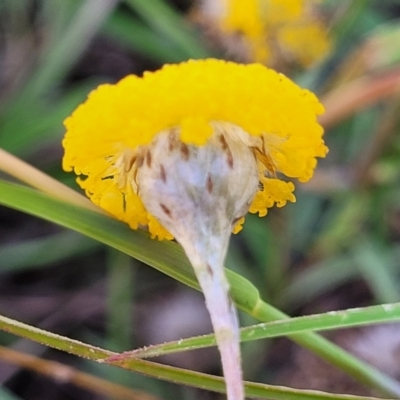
(275, 28)
(106, 134)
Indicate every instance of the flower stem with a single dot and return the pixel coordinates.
(225, 323)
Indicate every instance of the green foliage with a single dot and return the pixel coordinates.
(343, 229)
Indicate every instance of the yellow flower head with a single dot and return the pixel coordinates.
(188, 106)
(273, 29)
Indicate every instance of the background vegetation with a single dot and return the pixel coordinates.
(336, 248)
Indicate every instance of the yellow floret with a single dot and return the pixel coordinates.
(276, 26)
(117, 119)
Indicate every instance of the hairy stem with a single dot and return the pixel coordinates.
(225, 323)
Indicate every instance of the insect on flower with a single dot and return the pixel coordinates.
(187, 151)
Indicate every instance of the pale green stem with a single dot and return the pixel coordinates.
(198, 200)
(225, 323)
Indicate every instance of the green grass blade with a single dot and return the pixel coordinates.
(177, 375)
(168, 257)
(316, 280)
(43, 251)
(170, 24)
(373, 263)
(25, 130)
(335, 355)
(346, 26)
(139, 37)
(120, 290)
(63, 54)
(318, 322)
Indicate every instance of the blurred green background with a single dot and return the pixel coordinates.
(337, 247)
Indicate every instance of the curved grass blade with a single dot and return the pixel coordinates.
(177, 375)
(385, 313)
(169, 258)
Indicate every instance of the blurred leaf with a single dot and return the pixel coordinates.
(27, 118)
(316, 280)
(260, 253)
(373, 262)
(119, 300)
(5, 394)
(139, 37)
(164, 20)
(381, 46)
(348, 26)
(44, 251)
(342, 222)
(27, 130)
(305, 220)
(63, 53)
